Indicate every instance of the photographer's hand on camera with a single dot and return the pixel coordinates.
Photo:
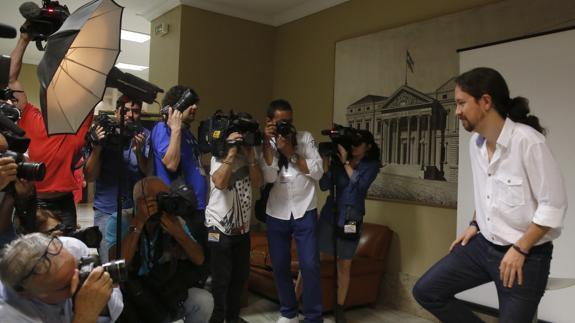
(92, 296)
(8, 170)
(175, 228)
(93, 163)
(171, 159)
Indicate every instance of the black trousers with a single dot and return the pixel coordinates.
(230, 265)
(63, 206)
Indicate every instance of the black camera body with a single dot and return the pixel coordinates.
(90, 236)
(43, 21)
(188, 98)
(285, 129)
(112, 130)
(180, 201)
(213, 133)
(339, 135)
(116, 268)
(26, 170)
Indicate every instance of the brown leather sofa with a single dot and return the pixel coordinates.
(367, 269)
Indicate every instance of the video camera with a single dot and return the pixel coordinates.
(26, 170)
(339, 135)
(213, 132)
(116, 268)
(180, 201)
(42, 21)
(112, 130)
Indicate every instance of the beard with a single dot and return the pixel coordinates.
(468, 126)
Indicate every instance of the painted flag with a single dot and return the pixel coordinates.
(409, 61)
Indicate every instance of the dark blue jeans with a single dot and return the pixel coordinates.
(476, 264)
(279, 238)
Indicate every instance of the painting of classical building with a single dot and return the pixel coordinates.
(418, 136)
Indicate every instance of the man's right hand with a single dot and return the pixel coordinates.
(8, 170)
(270, 129)
(143, 213)
(92, 296)
(174, 119)
(465, 237)
(100, 134)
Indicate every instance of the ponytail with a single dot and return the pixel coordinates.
(518, 111)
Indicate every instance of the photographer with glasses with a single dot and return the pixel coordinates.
(40, 282)
(162, 257)
(102, 164)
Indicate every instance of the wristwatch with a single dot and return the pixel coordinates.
(294, 158)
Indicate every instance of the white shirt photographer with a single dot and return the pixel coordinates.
(293, 192)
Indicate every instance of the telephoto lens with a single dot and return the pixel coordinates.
(116, 268)
(26, 170)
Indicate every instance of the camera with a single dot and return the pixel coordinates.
(188, 98)
(8, 110)
(213, 132)
(90, 236)
(112, 130)
(180, 201)
(26, 170)
(339, 135)
(43, 21)
(117, 268)
(285, 128)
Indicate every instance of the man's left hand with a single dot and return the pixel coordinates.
(172, 225)
(511, 268)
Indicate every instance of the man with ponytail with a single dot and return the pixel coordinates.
(520, 205)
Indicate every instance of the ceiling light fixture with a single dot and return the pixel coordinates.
(134, 36)
(131, 67)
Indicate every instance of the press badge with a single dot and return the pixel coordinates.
(214, 236)
(350, 227)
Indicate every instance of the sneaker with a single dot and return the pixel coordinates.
(286, 320)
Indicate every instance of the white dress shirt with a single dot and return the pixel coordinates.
(293, 192)
(521, 184)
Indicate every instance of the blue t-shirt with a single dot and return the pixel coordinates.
(106, 186)
(190, 168)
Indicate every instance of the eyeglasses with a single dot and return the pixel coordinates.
(53, 249)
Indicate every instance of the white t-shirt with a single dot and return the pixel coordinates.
(229, 209)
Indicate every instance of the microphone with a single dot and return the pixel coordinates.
(7, 31)
(29, 10)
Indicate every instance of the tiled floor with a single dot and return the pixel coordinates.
(262, 310)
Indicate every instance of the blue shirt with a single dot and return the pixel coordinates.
(110, 238)
(350, 191)
(106, 186)
(190, 168)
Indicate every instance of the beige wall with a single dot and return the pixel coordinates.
(304, 65)
(228, 61)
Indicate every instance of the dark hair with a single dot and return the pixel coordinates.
(373, 153)
(174, 94)
(484, 80)
(278, 105)
(122, 100)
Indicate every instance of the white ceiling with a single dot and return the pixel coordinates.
(138, 14)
